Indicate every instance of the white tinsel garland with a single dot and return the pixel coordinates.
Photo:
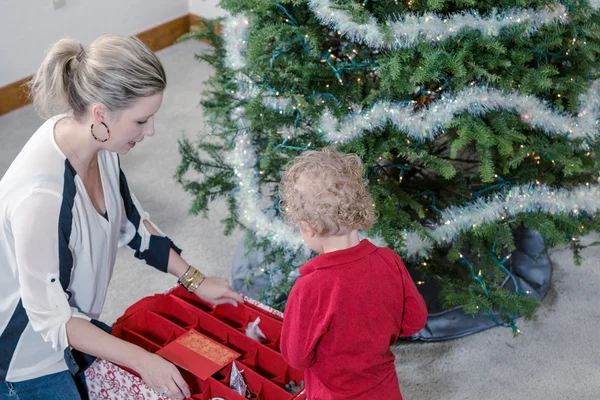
(243, 160)
(428, 123)
(515, 201)
(429, 27)
(235, 30)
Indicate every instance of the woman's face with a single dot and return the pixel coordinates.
(130, 126)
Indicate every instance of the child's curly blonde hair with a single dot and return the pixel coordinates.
(326, 190)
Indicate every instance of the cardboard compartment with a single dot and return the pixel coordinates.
(295, 375)
(192, 299)
(272, 366)
(250, 359)
(212, 328)
(242, 344)
(253, 382)
(206, 390)
(209, 389)
(261, 359)
(189, 317)
(139, 340)
(301, 396)
(197, 386)
(240, 317)
(177, 311)
(153, 327)
(262, 388)
(220, 390)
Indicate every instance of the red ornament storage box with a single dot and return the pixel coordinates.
(157, 321)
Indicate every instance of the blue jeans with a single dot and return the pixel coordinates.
(59, 386)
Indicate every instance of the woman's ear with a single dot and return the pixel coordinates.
(99, 113)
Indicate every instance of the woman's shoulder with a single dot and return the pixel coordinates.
(39, 164)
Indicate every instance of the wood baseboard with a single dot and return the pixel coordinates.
(14, 95)
(197, 21)
(165, 35)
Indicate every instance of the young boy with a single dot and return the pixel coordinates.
(354, 299)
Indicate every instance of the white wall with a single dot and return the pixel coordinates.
(29, 27)
(206, 8)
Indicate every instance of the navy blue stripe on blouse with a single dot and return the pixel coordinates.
(157, 254)
(65, 224)
(10, 338)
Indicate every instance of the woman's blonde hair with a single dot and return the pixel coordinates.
(326, 190)
(115, 71)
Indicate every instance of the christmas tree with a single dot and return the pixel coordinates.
(472, 118)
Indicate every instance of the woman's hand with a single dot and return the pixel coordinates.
(162, 376)
(218, 291)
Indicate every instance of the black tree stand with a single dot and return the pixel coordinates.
(529, 264)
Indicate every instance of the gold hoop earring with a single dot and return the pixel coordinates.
(107, 133)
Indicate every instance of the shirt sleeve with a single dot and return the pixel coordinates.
(44, 263)
(153, 250)
(301, 331)
(414, 314)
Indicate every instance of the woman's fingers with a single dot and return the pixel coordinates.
(163, 377)
(225, 300)
(183, 387)
(218, 291)
(236, 297)
(173, 392)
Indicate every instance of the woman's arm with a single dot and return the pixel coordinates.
(213, 290)
(42, 255)
(157, 372)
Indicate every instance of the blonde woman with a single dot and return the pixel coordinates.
(65, 208)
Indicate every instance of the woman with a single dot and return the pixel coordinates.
(65, 208)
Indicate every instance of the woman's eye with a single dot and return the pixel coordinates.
(142, 122)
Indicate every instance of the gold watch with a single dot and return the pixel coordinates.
(191, 279)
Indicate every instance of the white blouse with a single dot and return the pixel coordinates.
(57, 252)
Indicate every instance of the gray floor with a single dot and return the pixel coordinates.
(557, 357)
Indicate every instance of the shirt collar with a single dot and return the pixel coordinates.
(352, 254)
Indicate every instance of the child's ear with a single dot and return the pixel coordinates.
(307, 229)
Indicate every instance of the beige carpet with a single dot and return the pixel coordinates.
(557, 357)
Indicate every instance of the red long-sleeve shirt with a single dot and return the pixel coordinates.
(341, 317)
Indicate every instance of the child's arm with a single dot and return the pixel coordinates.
(304, 322)
(414, 315)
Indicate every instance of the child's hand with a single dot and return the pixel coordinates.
(218, 291)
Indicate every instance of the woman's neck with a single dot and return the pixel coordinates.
(75, 141)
